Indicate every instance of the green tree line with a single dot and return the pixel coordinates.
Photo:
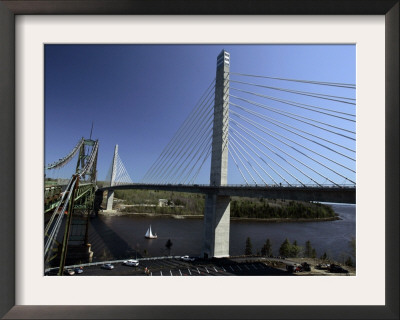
(294, 250)
(289, 210)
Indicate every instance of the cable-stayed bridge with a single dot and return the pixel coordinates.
(293, 142)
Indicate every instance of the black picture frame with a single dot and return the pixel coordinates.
(8, 195)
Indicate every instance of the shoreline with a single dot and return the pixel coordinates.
(200, 216)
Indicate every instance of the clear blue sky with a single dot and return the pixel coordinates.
(139, 95)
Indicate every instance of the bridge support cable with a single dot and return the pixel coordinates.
(320, 138)
(237, 133)
(113, 173)
(323, 83)
(63, 197)
(187, 177)
(191, 139)
(175, 173)
(182, 131)
(117, 176)
(67, 230)
(303, 93)
(317, 139)
(54, 232)
(210, 148)
(52, 236)
(121, 175)
(63, 161)
(234, 133)
(195, 152)
(179, 140)
(260, 139)
(194, 129)
(274, 122)
(263, 128)
(306, 132)
(297, 143)
(239, 155)
(236, 144)
(333, 113)
(199, 133)
(285, 126)
(293, 116)
(237, 166)
(207, 155)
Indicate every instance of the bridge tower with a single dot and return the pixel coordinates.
(110, 193)
(217, 208)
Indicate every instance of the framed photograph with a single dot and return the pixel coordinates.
(41, 38)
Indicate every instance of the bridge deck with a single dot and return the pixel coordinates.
(319, 194)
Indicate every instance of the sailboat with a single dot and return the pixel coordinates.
(149, 234)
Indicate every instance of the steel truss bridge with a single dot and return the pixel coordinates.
(63, 201)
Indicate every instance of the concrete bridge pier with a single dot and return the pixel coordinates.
(216, 226)
(110, 200)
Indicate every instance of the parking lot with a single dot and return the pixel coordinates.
(233, 266)
(176, 267)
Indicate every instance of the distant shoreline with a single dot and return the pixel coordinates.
(200, 216)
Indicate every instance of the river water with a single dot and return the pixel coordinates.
(119, 237)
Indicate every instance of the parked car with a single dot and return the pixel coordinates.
(131, 263)
(298, 268)
(289, 268)
(187, 258)
(294, 267)
(306, 266)
(78, 270)
(337, 269)
(107, 266)
(322, 266)
(69, 272)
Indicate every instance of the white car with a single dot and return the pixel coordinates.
(107, 266)
(131, 263)
(187, 258)
(69, 272)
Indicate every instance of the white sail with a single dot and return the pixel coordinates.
(149, 234)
